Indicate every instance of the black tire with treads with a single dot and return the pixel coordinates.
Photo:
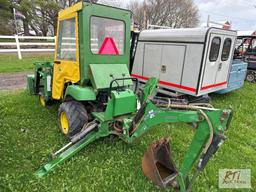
(76, 115)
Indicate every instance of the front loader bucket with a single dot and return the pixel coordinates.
(158, 165)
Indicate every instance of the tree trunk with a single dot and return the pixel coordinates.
(26, 27)
(55, 24)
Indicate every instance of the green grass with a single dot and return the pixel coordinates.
(28, 133)
(11, 63)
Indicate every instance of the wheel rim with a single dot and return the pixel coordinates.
(42, 101)
(64, 122)
(250, 77)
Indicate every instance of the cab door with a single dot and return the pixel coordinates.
(225, 59)
(66, 63)
(212, 61)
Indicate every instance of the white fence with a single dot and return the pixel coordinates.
(50, 41)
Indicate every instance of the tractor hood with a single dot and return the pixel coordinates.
(102, 75)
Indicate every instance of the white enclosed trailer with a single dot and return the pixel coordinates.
(193, 61)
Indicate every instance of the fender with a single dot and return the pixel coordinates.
(80, 93)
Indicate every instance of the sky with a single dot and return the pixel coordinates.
(241, 13)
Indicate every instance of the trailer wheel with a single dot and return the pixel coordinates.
(72, 116)
(251, 76)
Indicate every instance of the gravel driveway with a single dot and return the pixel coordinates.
(13, 81)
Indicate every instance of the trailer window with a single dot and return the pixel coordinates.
(67, 40)
(215, 47)
(226, 49)
(107, 36)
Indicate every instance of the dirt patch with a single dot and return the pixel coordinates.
(13, 81)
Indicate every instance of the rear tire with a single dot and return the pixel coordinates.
(72, 116)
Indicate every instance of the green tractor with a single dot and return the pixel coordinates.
(90, 78)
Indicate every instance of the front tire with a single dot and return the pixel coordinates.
(42, 100)
(72, 116)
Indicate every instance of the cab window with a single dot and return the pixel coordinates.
(67, 40)
(226, 49)
(215, 47)
(107, 36)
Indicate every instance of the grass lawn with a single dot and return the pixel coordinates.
(29, 133)
(11, 63)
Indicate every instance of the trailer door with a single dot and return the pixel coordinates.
(225, 59)
(172, 63)
(212, 61)
(152, 60)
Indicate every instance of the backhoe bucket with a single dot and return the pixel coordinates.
(158, 165)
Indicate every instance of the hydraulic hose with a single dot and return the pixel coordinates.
(199, 109)
(211, 131)
(85, 130)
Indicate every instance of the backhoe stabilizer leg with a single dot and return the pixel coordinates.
(67, 154)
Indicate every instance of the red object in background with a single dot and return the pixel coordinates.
(226, 25)
(108, 47)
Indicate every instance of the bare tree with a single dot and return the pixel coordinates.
(6, 24)
(172, 13)
(41, 16)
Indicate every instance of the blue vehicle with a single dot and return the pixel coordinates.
(236, 76)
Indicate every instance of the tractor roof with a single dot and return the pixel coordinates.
(69, 10)
(78, 6)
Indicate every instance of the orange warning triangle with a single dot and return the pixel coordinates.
(108, 47)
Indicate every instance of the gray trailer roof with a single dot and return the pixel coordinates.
(179, 35)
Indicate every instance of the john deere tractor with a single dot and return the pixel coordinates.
(90, 78)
